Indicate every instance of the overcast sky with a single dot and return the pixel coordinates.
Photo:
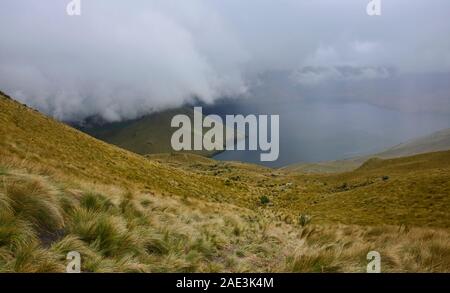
(122, 59)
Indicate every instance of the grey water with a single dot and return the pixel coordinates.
(320, 131)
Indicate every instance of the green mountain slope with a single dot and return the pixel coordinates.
(150, 134)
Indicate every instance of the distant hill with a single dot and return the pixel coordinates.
(150, 134)
(437, 141)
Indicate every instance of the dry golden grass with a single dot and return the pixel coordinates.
(345, 247)
(61, 190)
(413, 191)
(119, 231)
(416, 192)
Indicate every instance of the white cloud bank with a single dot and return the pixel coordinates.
(122, 59)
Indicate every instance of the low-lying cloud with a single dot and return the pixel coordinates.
(116, 60)
(120, 59)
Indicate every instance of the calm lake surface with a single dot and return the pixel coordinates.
(317, 131)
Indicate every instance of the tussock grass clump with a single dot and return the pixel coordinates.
(319, 262)
(15, 233)
(104, 232)
(130, 209)
(32, 200)
(33, 259)
(72, 243)
(96, 202)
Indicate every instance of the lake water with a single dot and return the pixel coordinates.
(318, 131)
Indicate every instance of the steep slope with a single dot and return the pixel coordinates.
(40, 141)
(150, 134)
(63, 190)
(438, 141)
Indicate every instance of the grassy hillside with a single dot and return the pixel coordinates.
(438, 141)
(41, 142)
(63, 190)
(410, 191)
(43, 219)
(150, 134)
